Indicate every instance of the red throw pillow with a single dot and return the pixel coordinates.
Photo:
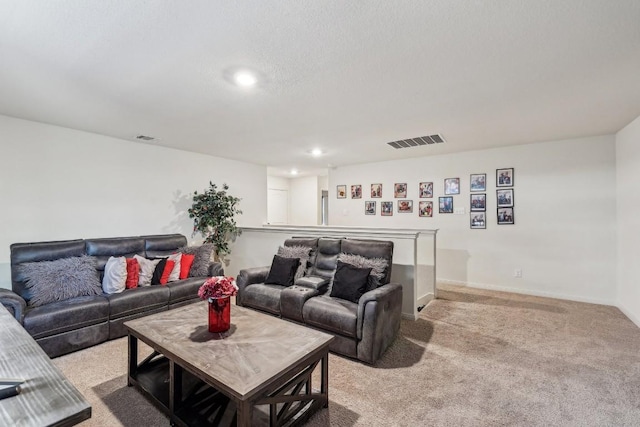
(167, 271)
(133, 273)
(185, 265)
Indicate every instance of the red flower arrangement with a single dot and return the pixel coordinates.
(217, 287)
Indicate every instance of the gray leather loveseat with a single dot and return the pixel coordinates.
(64, 326)
(363, 328)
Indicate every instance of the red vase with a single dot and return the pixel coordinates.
(219, 314)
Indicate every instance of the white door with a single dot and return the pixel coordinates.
(277, 206)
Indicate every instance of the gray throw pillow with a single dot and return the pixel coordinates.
(59, 280)
(297, 251)
(377, 266)
(203, 255)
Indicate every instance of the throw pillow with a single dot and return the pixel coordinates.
(51, 281)
(203, 254)
(282, 271)
(157, 273)
(185, 265)
(166, 273)
(147, 267)
(174, 275)
(115, 275)
(300, 252)
(133, 273)
(377, 266)
(349, 282)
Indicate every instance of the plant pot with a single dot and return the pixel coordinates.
(219, 314)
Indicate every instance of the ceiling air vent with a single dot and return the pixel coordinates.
(418, 141)
(145, 138)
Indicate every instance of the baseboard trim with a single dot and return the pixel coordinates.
(629, 314)
(527, 292)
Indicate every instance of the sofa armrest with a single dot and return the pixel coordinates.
(216, 269)
(313, 282)
(378, 321)
(14, 303)
(250, 276)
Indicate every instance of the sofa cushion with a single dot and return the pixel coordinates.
(115, 275)
(263, 297)
(137, 300)
(350, 282)
(163, 245)
(282, 271)
(184, 290)
(103, 249)
(67, 315)
(61, 279)
(371, 249)
(332, 314)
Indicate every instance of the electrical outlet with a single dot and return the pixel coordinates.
(517, 273)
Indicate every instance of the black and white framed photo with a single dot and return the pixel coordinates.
(504, 177)
(478, 220)
(356, 191)
(445, 204)
(478, 202)
(426, 190)
(504, 198)
(386, 208)
(405, 206)
(376, 191)
(400, 190)
(425, 209)
(369, 207)
(505, 216)
(452, 186)
(478, 182)
(342, 192)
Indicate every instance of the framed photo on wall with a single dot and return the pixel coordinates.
(504, 177)
(478, 202)
(426, 190)
(504, 198)
(452, 186)
(405, 206)
(370, 207)
(425, 209)
(386, 208)
(478, 220)
(342, 191)
(400, 190)
(478, 182)
(505, 216)
(376, 191)
(356, 191)
(445, 204)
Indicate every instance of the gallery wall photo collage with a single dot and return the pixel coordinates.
(404, 203)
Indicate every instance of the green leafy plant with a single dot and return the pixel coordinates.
(213, 213)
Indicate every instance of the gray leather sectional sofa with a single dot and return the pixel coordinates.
(362, 330)
(73, 324)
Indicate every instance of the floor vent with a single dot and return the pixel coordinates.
(416, 142)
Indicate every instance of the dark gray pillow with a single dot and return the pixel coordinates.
(59, 280)
(202, 260)
(282, 271)
(349, 282)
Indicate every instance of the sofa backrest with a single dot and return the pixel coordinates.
(371, 249)
(163, 245)
(102, 249)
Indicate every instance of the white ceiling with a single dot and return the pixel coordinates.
(345, 76)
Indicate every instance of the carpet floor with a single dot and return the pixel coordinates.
(473, 358)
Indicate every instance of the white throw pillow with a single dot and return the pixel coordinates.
(115, 275)
(175, 273)
(147, 267)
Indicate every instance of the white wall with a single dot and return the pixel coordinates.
(58, 184)
(277, 200)
(628, 210)
(304, 201)
(564, 237)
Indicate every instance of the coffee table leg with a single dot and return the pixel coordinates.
(175, 388)
(324, 384)
(244, 413)
(133, 358)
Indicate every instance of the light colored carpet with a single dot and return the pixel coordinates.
(474, 358)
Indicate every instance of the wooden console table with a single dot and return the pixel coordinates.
(47, 397)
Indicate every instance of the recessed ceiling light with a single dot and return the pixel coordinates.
(245, 78)
(294, 171)
(316, 152)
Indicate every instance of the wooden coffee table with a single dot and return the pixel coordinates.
(258, 372)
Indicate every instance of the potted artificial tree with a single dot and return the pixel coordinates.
(213, 215)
